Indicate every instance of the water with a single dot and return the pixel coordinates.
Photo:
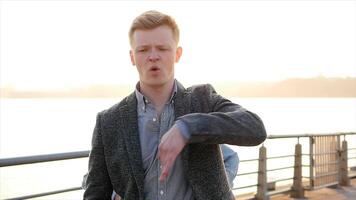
(43, 126)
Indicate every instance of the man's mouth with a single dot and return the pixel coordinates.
(154, 68)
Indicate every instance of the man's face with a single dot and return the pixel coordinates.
(154, 53)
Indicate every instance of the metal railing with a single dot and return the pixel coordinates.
(311, 164)
(8, 162)
(269, 170)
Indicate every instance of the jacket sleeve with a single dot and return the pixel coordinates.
(225, 122)
(97, 183)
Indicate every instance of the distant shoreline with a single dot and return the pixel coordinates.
(290, 88)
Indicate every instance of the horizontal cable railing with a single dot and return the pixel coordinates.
(249, 160)
(8, 162)
(283, 179)
(247, 173)
(275, 157)
(246, 186)
(281, 168)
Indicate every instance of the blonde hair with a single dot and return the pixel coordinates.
(153, 19)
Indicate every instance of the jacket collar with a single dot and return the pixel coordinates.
(142, 100)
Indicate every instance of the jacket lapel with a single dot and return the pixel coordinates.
(181, 101)
(132, 140)
(181, 107)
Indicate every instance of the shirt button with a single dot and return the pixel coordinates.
(154, 119)
(161, 192)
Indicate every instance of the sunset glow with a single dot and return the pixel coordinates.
(65, 44)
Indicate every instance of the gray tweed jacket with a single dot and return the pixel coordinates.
(115, 161)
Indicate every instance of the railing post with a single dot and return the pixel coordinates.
(297, 188)
(343, 169)
(311, 162)
(262, 175)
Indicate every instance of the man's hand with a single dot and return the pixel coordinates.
(171, 145)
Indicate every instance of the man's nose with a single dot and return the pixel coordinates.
(153, 56)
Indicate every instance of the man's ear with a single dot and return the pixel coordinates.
(132, 58)
(179, 52)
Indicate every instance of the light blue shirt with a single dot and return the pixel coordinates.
(151, 128)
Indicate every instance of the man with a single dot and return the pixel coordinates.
(162, 141)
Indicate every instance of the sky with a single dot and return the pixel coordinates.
(65, 44)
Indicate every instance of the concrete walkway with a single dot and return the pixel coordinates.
(336, 193)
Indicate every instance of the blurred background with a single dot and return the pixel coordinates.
(61, 62)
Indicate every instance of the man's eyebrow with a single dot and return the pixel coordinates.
(142, 46)
(148, 46)
(163, 45)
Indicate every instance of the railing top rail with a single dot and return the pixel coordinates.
(308, 135)
(4, 162)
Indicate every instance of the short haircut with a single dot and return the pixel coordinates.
(152, 19)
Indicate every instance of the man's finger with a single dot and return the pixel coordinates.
(163, 176)
(165, 170)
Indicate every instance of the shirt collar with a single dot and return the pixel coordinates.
(142, 101)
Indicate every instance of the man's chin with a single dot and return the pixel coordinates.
(156, 83)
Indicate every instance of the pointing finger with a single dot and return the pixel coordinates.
(165, 171)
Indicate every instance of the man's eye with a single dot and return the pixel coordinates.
(140, 50)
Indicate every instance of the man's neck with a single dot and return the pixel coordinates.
(159, 95)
